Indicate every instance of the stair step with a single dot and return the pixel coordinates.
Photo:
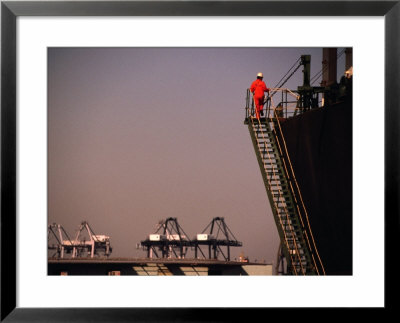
(290, 241)
(284, 194)
(286, 218)
(292, 246)
(303, 259)
(285, 210)
(266, 140)
(266, 147)
(289, 227)
(282, 198)
(272, 167)
(285, 207)
(286, 221)
(272, 162)
(289, 219)
(276, 189)
(276, 174)
(272, 170)
(296, 231)
(278, 199)
(263, 130)
(265, 152)
(288, 205)
(288, 234)
(269, 155)
(275, 182)
(275, 178)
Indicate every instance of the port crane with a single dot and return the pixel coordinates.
(170, 241)
(86, 242)
(98, 244)
(58, 240)
(215, 236)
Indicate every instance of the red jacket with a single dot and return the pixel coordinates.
(258, 87)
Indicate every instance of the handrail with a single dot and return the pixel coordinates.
(278, 89)
(289, 108)
(301, 199)
(294, 196)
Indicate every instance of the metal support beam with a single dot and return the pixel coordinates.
(329, 66)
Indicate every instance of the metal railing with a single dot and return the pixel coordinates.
(289, 105)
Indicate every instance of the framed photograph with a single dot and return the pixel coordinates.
(129, 119)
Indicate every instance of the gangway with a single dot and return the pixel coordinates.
(290, 214)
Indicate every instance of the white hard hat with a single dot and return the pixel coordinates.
(260, 75)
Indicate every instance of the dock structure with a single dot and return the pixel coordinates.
(155, 267)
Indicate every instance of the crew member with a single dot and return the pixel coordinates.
(258, 88)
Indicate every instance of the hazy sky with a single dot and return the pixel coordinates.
(137, 135)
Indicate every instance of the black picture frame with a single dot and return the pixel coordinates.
(10, 10)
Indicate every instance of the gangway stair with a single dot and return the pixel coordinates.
(290, 215)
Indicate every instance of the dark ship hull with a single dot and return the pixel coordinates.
(319, 143)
